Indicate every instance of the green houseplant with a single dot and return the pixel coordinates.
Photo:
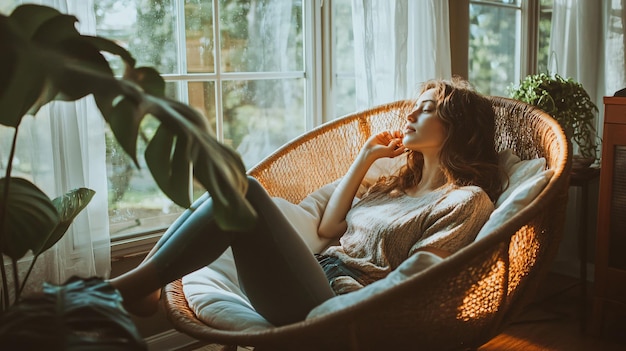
(568, 102)
(44, 58)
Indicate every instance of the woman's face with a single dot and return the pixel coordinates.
(424, 130)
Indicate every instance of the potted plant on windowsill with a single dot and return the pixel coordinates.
(567, 101)
(44, 58)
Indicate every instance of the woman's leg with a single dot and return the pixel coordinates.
(279, 274)
(149, 304)
(276, 269)
(191, 242)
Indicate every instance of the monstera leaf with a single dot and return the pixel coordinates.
(68, 207)
(43, 58)
(33, 222)
(30, 217)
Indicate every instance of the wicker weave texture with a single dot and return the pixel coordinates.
(458, 304)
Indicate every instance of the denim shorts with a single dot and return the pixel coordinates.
(334, 267)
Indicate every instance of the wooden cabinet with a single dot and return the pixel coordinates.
(610, 261)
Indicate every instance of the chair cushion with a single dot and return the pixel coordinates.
(526, 180)
(214, 295)
(213, 292)
(306, 215)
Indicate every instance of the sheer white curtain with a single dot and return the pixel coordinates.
(398, 44)
(587, 44)
(66, 146)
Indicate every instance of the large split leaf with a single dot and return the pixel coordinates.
(22, 78)
(68, 207)
(29, 219)
(168, 162)
(44, 58)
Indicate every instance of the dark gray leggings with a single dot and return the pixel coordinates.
(278, 273)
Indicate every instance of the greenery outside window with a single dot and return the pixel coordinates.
(508, 39)
(240, 62)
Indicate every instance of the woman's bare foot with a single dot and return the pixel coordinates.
(140, 289)
(143, 307)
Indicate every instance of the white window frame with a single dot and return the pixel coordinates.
(315, 42)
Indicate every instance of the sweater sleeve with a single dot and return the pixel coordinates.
(456, 220)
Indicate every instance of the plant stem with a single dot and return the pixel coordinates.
(3, 215)
(30, 269)
(5, 286)
(16, 281)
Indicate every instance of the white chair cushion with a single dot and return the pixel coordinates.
(526, 180)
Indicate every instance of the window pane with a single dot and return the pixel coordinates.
(344, 94)
(261, 35)
(494, 48)
(136, 204)
(145, 28)
(262, 115)
(202, 97)
(199, 36)
(544, 63)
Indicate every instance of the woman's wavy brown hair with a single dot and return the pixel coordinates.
(468, 155)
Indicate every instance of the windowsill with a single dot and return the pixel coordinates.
(130, 246)
(133, 238)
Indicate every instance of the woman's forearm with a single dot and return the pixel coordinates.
(333, 222)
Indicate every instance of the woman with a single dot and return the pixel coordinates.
(437, 202)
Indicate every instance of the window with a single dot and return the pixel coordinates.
(508, 39)
(253, 68)
(241, 63)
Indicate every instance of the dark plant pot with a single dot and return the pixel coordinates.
(581, 162)
(82, 314)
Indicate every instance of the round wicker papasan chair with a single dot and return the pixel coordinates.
(459, 303)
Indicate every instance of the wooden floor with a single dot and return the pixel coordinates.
(552, 323)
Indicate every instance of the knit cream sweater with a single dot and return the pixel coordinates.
(384, 230)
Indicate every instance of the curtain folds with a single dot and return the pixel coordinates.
(398, 44)
(587, 44)
(65, 145)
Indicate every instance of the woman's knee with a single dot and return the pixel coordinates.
(254, 187)
(258, 196)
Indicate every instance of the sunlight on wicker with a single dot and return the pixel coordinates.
(484, 297)
(523, 253)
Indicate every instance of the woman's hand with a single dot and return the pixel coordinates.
(333, 223)
(385, 144)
